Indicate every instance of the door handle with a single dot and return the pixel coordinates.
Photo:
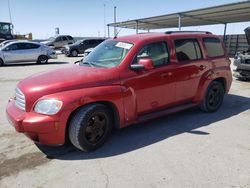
(202, 67)
(166, 74)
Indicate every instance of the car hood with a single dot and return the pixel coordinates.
(247, 32)
(70, 77)
(47, 42)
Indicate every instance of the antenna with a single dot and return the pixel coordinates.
(117, 33)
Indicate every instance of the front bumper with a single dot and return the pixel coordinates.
(242, 74)
(39, 128)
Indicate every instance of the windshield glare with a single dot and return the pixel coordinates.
(108, 54)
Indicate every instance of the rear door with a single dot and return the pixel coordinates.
(30, 51)
(190, 67)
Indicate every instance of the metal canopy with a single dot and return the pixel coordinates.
(223, 14)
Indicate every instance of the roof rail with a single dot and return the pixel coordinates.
(171, 32)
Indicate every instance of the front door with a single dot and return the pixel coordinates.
(153, 89)
(13, 53)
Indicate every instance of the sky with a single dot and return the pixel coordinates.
(86, 18)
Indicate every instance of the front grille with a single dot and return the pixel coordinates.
(19, 99)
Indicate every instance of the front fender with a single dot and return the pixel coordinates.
(76, 98)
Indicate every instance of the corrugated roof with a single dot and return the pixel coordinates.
(229, 13)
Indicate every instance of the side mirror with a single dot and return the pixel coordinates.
(143, 64)
(6, 49)
(137, 67)
(147, 63)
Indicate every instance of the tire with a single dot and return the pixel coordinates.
(1, 62)
(74, 53)
(213, 97)
(42, 59)
(90, 127)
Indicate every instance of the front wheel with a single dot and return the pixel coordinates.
(1, 62)
(90, 127)
(213, 97)
(74, 53)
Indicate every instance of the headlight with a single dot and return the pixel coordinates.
(48, 106)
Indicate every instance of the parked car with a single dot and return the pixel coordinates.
(60, 41)
(79, 47)
(24, 51)
(123, 81)
(242, 61)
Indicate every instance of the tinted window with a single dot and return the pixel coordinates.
(64, 38)
(86, 42)
(214, 47)
(70, 38)
(58, 39)
(13, 47)
(158, 52)
(187, 49)
(30, 46)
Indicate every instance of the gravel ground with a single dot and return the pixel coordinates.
(188, 149)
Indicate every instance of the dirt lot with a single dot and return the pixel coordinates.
(188, 149)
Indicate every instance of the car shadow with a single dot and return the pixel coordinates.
(145, 134)
(32, 64)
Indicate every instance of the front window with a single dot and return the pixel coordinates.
(108, 54)
(5, 28)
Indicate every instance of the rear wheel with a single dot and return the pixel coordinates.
(74, 53)
(214, 97)
(42, 59)
(90, 127)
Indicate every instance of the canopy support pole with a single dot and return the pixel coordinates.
(136, 26)
(225, 31)
(179, 24)
(108, 31)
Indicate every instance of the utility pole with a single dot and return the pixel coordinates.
(115, 21)
(104, 19)
(9, 11)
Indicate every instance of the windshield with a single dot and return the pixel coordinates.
(108, 54)
(5, 28)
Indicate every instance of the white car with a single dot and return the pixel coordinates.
(25, 51)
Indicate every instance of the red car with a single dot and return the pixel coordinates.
(125, 80)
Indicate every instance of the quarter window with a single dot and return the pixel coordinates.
(187, 49)
(214, 47)
(157, 51)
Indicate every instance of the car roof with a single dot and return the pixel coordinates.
(154, 36)
(23, 41)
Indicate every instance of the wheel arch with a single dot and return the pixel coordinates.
(74, 49)
(1, 59)
(113, 109)
(204, 83)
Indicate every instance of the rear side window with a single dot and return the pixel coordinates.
(214, 47)
(31, 46)
(64, 38)
(70, 38)
(187, 49)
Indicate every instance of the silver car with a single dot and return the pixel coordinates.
(25, 51)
